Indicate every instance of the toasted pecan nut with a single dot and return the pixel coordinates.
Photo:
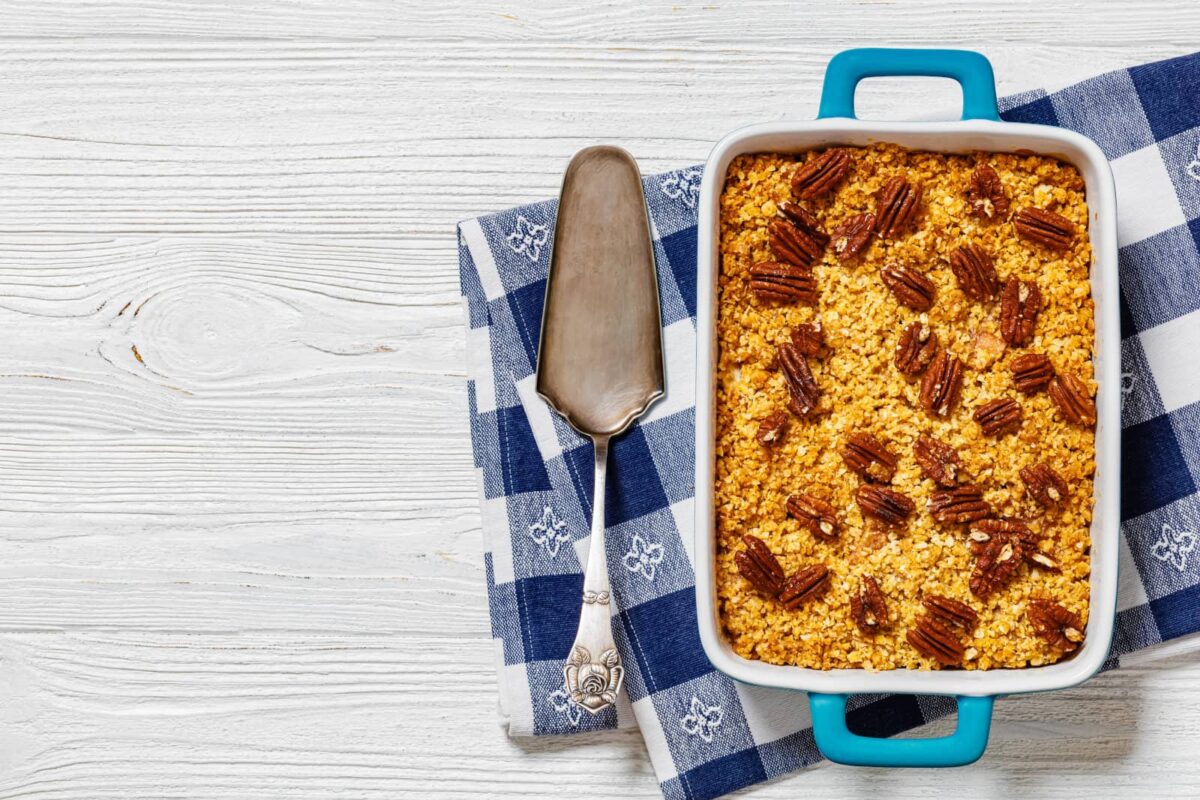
(1073, 399)
(852, 236)
(809, 339)
(887, 506)
(942, 384)
(868, 608)
(814, 514)
(1044, 485)
(982, 533)
(975, 272)
(869, 457)
(1020, 305)
(809, 225)
(1048, 229)
(1056, 624)
(986, 195)
(999, 416)
(934, 640)
(950, 611)
(803, 219)
(916, 348)
(960, 504)
(821, 173)
(1032, 372)
(995, 567)
(772, 429)
(802, 386)
(938, 461)
(792, 245)
(806, 584)
(910, 287)
(771, 280)
(899, 203)
(759, 566)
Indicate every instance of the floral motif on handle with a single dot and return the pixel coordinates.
(593, 684)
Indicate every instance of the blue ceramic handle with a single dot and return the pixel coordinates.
(972, 71)
(837, 743)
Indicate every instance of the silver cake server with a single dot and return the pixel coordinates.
(600, 363)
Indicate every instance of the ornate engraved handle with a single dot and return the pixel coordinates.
(593, 671)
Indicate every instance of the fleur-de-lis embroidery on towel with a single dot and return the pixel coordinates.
(563, 704)
(683, 186)
(1128, 379)
(643, 557)
(549, 531)
(703, 720)
(528, 238)
(1193, 167)
(1174, 546)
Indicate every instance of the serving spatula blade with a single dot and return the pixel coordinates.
(600, 363)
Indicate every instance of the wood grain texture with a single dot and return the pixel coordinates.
(239, 537)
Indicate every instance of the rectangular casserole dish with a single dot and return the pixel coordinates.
(979, 129)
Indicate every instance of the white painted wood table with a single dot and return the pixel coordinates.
(239, 540)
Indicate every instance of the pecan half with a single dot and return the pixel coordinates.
(986, 195)
(938, 461)
(802, 386)
(792, 245)
(998, 417)
(868, 608)
(772, 429)
(1020, 305)
(1044, 485)
(942, 384)
(809, 339)
(994, 569)
(975, 272)
(1073, 399)
(898, 206)
(1048, 229)
(771, 280)
(950, 611)
(910, 287)
(934, 640)
(759, 566)
(1057, 625)
(821, 173)
(852, 236)
(1031, 372)
(916, 348)
(885, 505)
(869, 457)
(814, 514)
(804, 585)
(960, 504)
(986, 531)
(806, 222)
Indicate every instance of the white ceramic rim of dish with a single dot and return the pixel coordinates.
(950, 137)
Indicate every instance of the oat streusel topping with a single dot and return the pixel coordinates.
(858, 395)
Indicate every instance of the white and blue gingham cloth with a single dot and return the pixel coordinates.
(706, 734)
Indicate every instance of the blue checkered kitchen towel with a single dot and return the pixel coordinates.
(707, 735)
